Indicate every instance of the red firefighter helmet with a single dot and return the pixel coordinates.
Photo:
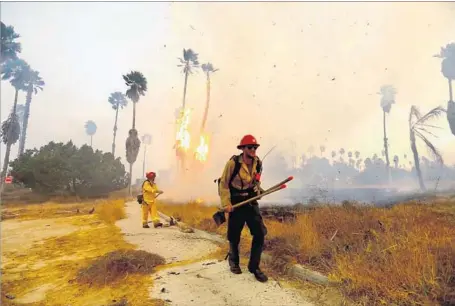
(150, 175)
(248, 140)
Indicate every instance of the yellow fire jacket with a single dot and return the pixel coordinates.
(242, 181)
(150, 191)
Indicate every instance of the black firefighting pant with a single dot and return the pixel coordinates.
(249, 214)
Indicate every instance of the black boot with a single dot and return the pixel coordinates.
(260, 276)
(255, 258)
(234, 258)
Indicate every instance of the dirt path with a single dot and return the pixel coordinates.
(206, 282)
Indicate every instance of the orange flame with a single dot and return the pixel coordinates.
(183, 135)
(202, 150)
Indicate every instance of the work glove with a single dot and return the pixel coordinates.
(257, 189)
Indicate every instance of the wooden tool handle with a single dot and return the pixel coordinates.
(269, 191)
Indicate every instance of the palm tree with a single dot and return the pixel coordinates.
(188, 62)
(311, 151)
(146, 140)
(90, 130)
(418, 127)
(396, 161)
(137, 87)
(9, 47)
(357, 154)
(322, 149)
(16, 71)
(208, 69)
(33, 83)
(342, 151)
(117, 100)
(334, 154)
(447, 53)
(387, 93)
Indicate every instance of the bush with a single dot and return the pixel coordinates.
(64, 169)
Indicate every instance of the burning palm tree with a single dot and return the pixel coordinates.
(447, 53)
(208, 69)
(418, 127)
(188, 62)
(202, 150)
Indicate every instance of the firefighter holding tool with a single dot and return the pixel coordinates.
(241, 181)
(149, 192)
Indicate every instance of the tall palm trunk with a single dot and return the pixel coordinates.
(115, 130)
(184, 88)
(134, 115)
(131, 180)
(28, 101)
(207, 103)
(182, 156)
(8, 147)
(386, 150)
(450, 90)
(416, 160)
(451, 109)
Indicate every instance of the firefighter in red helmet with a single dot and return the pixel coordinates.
(150, 191)
(240, 181)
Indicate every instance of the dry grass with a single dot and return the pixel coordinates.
(403, 255)
(108, 210)
(92, 266)
(118, 264)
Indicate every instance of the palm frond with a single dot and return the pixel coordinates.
(434, 113)
(422, 129)
(117, 99)
(10, 129)
(137, 85)
(414, 113)
(90, 127)
(431, 126)
(431, 148)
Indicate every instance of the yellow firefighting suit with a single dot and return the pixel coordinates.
(149, 191)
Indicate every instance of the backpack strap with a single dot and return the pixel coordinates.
(237, 166)
(143, 185)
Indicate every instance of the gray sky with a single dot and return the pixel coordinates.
(276, 60)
